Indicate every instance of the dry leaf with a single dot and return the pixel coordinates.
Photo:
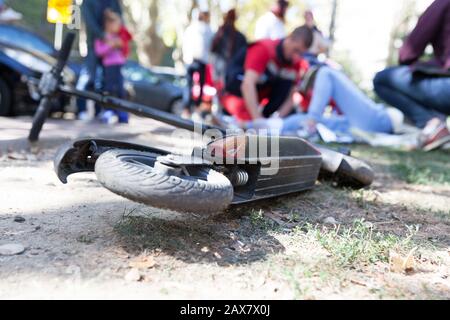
(143, 263)
(359, 283)
(401, 264)
(279, 219)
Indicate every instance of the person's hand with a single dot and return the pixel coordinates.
(276, 115)
(117, 43)
(260, 124)
(114, 43)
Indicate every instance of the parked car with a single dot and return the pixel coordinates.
(158, 88)
(24, 57)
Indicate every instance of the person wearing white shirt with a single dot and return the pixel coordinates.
(197, 42)
(272, 24)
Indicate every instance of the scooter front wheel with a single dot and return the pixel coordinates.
(135, 175)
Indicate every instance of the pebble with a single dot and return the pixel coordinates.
(19, 219)
(11, 249)
(133, 275)
(330, 220)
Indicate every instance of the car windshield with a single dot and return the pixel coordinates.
(24, 39)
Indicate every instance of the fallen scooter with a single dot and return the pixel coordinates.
(230, 169)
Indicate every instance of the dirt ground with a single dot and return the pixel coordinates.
(82, 241)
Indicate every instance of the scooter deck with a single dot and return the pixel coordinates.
(292, 167)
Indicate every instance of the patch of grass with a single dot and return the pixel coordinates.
(365, 199)
(443, 215)
(360, 244)
(421, 174)
(300, 290)
(198, 240)
(259, 221)
(415, 167)
(86, 239)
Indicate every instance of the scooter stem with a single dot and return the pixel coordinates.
(139, 110)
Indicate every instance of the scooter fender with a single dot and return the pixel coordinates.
(331, 160)
(81, 155)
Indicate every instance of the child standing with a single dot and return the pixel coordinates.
(113, 51)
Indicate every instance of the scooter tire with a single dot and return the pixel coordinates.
(354, 173)
(132, 174)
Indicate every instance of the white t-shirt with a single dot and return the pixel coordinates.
(269, 26)
(197, 41)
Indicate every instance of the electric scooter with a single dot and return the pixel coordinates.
(229, 169)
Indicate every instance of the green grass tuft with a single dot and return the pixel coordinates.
(360, 244)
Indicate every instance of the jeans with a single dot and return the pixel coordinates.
(113, 84)
(419, 99)
(358, 110)
(90, 78)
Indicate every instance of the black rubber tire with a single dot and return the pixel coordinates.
(132, 175)
(354, 173)
(5, 99)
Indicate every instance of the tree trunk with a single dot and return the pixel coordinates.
(149, 45)
(332, 30)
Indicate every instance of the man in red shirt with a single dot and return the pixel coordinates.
(261, 80)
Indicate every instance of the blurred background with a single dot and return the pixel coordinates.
(367, 34)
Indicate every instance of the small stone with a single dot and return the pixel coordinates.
(330, 220)
(19, 219)
(133, 275)
(11, 249)
(74, 270)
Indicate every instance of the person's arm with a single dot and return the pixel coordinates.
(250, 93)
(427, 27)
(92, 24)
(102, 48)
(256, 62)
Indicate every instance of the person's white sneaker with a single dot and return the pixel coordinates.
(397, 119)
(10, 15)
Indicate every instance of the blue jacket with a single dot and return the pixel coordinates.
(92, 11)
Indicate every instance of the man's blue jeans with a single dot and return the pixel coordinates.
(419, 99)
(358, 110)
(90, 78)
